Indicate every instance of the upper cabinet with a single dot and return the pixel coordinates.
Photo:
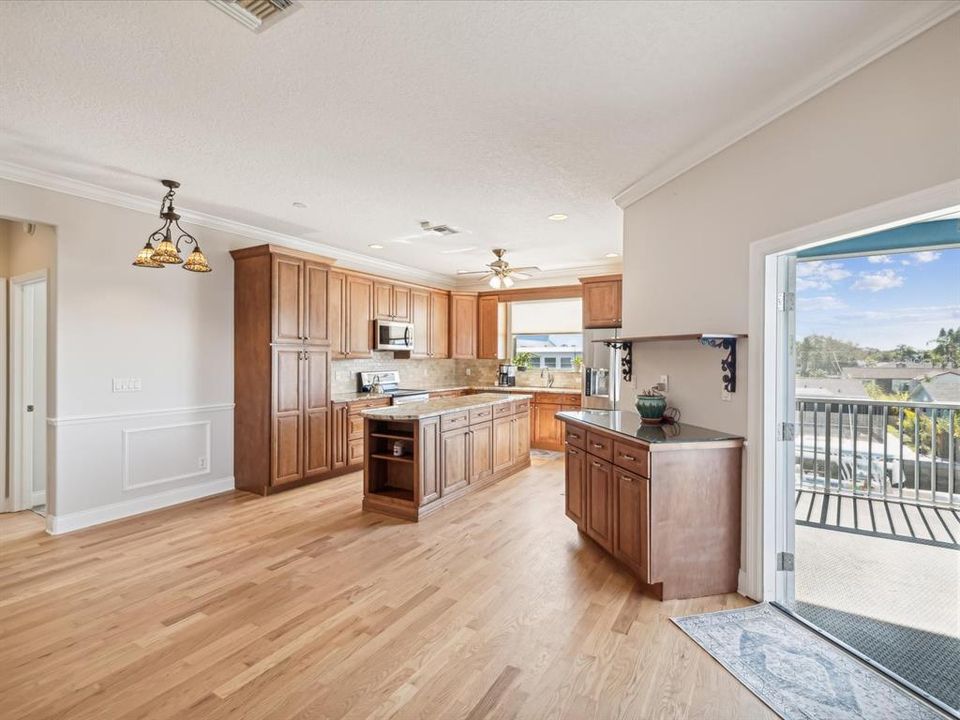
(350, 315)
(489, 344)
(463, 325)
(391, 302)
(439, 325)
(299, 290)
(602, 301)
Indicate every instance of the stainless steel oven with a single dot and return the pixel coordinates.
(390, 335)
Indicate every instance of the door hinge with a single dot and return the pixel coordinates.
(786, 301)
(785, 432)
(785, 561)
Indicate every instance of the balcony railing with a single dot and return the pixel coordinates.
(879, 449)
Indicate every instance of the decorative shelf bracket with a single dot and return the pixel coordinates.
(729, 364)
(626, 356)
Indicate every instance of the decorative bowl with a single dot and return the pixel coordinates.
(651, 408)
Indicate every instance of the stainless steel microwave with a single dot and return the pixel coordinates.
(390, 335)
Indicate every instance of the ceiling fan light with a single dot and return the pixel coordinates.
(197, 262)
(495, 282)
(167, 253)
(145, 257)
(507, 281)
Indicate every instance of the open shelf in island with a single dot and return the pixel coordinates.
(447, 448)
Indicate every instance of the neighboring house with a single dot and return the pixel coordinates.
(942, 388)
(831, 387)
(890, 379)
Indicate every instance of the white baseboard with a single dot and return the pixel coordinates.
(59, 524)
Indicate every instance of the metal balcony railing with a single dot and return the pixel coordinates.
(879, 449)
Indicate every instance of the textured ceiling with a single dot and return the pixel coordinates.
(486, 116)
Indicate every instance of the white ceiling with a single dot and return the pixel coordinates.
(487, 116)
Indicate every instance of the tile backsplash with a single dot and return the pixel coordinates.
(425, 373)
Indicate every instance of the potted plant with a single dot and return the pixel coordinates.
(522, 360)
(651, 404)
(577, 362)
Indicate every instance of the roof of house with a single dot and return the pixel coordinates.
(831, 387)
(944, 387)
(885, 373)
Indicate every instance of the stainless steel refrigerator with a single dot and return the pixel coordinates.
(601, 371)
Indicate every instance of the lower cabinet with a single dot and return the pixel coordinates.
(338, 435)
(575, 478)
(631, 521)
(454, 460)
(503, 443)
(480, 447)
(600, 499)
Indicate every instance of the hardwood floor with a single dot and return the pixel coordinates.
(299, 605)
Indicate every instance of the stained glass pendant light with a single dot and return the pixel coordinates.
(167, 252)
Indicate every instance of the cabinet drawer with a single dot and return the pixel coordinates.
(521, 406)
(454, 421)
(502, 409)
(575, 436)
(600, 445)
(557, 399)
(631, 457)
(355, 427)
(481, 414)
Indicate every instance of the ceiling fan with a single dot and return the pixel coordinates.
(500, 272)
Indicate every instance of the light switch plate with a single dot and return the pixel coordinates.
(127, 385)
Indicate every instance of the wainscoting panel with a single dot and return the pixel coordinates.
(165, 453)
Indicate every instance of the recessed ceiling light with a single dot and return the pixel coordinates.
(557, 217)
(299, 205)
(611, 254)
(376, 246)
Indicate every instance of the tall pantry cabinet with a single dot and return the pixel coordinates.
(281, 368)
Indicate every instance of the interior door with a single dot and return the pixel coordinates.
(785, 429)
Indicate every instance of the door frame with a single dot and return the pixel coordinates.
(758, 578)
(21, 487)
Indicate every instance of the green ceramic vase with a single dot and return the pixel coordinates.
(651, 407)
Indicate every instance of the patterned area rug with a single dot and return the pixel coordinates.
(797, 673)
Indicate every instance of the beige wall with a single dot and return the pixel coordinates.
(888, 130)
(21, 252)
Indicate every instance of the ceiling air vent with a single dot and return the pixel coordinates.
(438, 229)
(257, 15)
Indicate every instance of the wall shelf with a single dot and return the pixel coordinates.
(721, 341)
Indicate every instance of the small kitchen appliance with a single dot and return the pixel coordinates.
(391, 335)
(389, 383)
(507, 375)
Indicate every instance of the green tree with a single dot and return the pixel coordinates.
(946, 348)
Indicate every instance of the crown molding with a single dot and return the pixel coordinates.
(347, 258)
(733, 133)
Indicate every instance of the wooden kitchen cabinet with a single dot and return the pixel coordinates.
(281, 368)
(574, 485)
(489, 331)
(338, 435)
(602, 301)
(454, 460)
(480, 448)
(391, 302)
(600, 496)
(463, 325)
(503, 442)
(632, 524)
(439, 325)
(350, 313)
(546, 429)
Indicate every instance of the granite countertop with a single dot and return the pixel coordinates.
(440, 406)
(355, 396)
(629, 425)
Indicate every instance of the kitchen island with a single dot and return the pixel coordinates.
(663, 500)
(418, 457)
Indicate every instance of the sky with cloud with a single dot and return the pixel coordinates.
(880, 300)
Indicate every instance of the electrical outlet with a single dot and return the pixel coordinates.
(726, 395)
(664, 383)
(468, 371)
(127, 385)
(202, 463)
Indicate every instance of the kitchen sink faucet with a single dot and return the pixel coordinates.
(549, 376)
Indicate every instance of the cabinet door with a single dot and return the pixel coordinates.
(522, 445)
(463, 326)
(401, 303)
(481, 451)
(316, 449)
(503, 442)
(439, 325)
(315, 295)
(632, 526)
(338, 435)
(287, 299)
(420, 317)
(454, 473)
(359, 317)
(602, 303)
(337, 313)
(429, 469)
(575, 479)
(287, 415)
(383, 301)
(488, 328)
(600, 496)
(549, 429)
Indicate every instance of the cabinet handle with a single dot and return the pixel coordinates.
(596, 464)
(597, 445)
(631, 458)
(627, 478)
(572, 451)
(573, 435)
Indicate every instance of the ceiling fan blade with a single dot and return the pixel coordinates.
(472, 272)
(520, 275)
(528, 269)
